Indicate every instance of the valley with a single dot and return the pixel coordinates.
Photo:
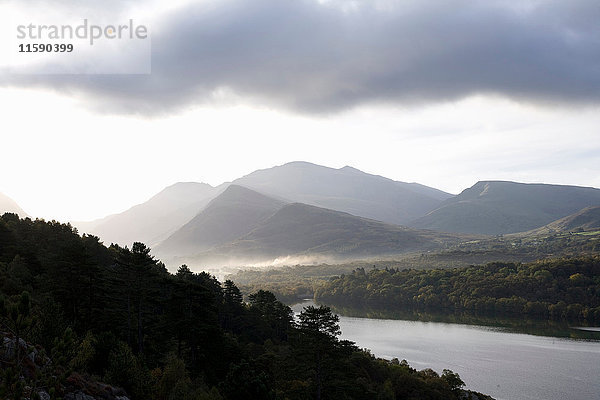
(499, 257)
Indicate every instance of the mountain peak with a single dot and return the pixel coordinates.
(243, 194)
(233, 188)
(350, 169)
(346, 189)
(188, 183)
(300, 164)
(227, 217)
(154, 220)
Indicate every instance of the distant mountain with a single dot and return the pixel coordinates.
(587, 219)
(242, 226)
(229, 216)
(155, 219)
(346, 189)
(303, 229)
(8, 205)
(499, 207)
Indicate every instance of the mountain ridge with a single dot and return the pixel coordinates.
(163, 214)
(300, 230)
(488, 207)
(153, 220)
(230, 215)
(587, 219)
(8, 205)
(500, 207)
(346, 189)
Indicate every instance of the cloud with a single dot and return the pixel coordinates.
(316, 57)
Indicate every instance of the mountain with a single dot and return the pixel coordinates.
(587, 219)
(8, 205)
(304, 229)
(242, 225)
(155, 219)
(227, 217)
(346, 189)
(499, 207)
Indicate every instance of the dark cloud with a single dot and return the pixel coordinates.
(314, 58)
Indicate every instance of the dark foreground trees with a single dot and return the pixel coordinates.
(86, 313)
(318, 330)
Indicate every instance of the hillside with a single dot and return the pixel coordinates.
(587, 219)
(155, 219)
(9, 205)
(499, 207)
(346, 189)
(558, 289)
(303, 232)
(152, 335)
(229, 216)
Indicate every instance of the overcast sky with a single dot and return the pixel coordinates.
(444, 93)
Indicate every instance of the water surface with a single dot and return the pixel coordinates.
(505, 365)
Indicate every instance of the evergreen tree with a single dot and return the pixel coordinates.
(318, 331)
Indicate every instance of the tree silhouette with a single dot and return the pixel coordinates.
(319, 329)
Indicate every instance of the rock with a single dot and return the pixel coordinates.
(9, 346)
(77, 383)
(43, 395)
(75, 387)
(78, 396)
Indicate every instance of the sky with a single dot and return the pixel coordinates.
(444, 93)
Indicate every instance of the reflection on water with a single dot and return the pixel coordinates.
(516, 325)
(506, 365)
(587, 328)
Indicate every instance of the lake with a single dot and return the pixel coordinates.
(505, 365)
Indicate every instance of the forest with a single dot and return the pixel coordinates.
(293, 283)
(566, 289)
(80, 320)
